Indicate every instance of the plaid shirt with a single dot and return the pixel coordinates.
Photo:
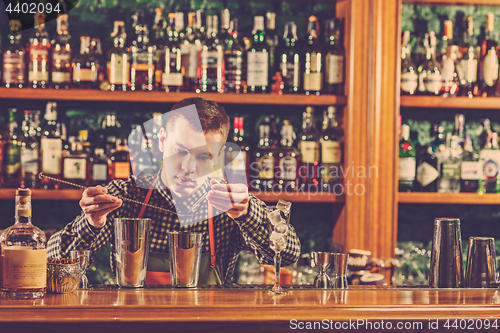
(231, 236)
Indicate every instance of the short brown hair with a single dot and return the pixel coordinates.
(212, 116)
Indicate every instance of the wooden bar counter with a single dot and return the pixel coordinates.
(234, 310)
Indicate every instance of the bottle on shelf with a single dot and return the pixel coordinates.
(313, 60)
(468, 62)
(430, 79)
(309, 150)
(449, 166)
(233, 59)
(470, 168)
(14, 66)
(75, 164)
(449, 63)
(100, 167)
(159, 43)
(110, 133)
(263, 163)
(258, 59)
(332, 138)
(272, 44)
(61, 76)
(96, 52)
(288, 160)
(51, 148)
(29, 153)
(458, 136)
(24, 253)
(418, 54)
(237, 160)
(489, 160)
(171, 68)
(179, 25)
(427, 170)
(211, 59)
(407, 161)
(485, 136)
(290, 60)
(488, 61)
(85, 67)
(142, 68)
(119, 59)
(38, 51)
(409, 73)
(12, 152)
(190, 47)
(335, 58)
(120, 160)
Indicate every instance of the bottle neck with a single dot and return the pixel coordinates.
(23, 209)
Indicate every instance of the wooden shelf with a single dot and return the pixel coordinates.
(162, 97)
(450, 103)
(453, 2)
(75, 194)
(449, 198)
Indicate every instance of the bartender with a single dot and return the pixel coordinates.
(189, 146)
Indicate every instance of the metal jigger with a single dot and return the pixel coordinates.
(322, 260)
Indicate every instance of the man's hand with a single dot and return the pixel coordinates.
(230, 198)
(96, 204)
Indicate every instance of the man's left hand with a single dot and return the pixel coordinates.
(230, 198)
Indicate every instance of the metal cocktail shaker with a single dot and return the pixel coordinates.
(481, 263)
(185, 255)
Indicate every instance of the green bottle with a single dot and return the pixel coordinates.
(407, 161)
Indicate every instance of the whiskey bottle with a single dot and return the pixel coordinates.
(409, 74)
(85, 67)
(488, 60)
(288, 160)
(24, 253)
(263, 161)
(51, 148)
(38, 51)
(233, 57)
(119, 60)
(13, 58)
(290, 60)
(332, 139)
(237, 155)
(468, 63)
(470, 169)
(430, 81)
(449, 63)
(142, 66)
(334, 58)
(258, 59)
(62, 50)
(309, 150)
(272, 44)
(120, 160)
(407, 161)
(190, 47)
(489, 159)
(29, 153)
(100, 167)
(75, 164)
(313, 60)
(12, 152)
(158, 41)
(172, 79)
(211, 60)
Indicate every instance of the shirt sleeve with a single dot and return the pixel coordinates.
(255, 235)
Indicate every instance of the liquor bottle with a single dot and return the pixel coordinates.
(309, 150)
(272, 44)
(313, 60)
(468, 62)
(290, 60)
(84, 140)
(485, 136)
(75, 164)
(409, 73)
(488, 60)
(334, 58)
(24, 253)
(96, 52)
(233, 58)
(62, 50)
(274, 136)
(458, 136)
(427, 170)
(288, 160)
(332, 138)
(159, 45)
(85, 67)
(38, 51)
(407, 161)
(237, 160)
(142, 66)
(29, 153)
(179, 25)
(119, 59)
(211, 60)
(110, 133)
(449, 63)
(172, 78)
(470, 168)
(430, 80)
(12, 153)
(100, 167)
(51, 148)
(419, 52)
(13, 58)
(489, 160)
(263, 160)
(449, 167)
(258, 59)
(190, 47)
(120, 160)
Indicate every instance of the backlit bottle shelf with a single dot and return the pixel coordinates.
(451, 102)
(449, 198)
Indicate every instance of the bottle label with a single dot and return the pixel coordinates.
(335, 68)
(257, 69)
(122, 170)
(14, 159)
(468, 69)
(490, 68)
(490, 170)
(24, 269)
(409, 82)
(171, 79)
(470, 170)
(39, 62)
(192, 61)
(233, 63)
(100, 172)
(450, 170)
(309, 151)
(143, 58)
(84, 75)
(51, 155)
(119, 69)
(290, 71)
(331, 152)
(407, 166)
(426, 174)
(266, 167)
(211, 59)
(29, 161)
(61, 64)
(313, 81)
(13, 68)
(75, 168)
(288, 168)
(61, 77)
(433, 82)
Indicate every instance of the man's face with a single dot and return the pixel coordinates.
(188, 156)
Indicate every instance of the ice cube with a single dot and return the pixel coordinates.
(282, 228)
(275, 236)
(274, 217)
(284, 206)
(278, 245)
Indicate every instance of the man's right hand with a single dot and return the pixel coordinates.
(96, 204)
